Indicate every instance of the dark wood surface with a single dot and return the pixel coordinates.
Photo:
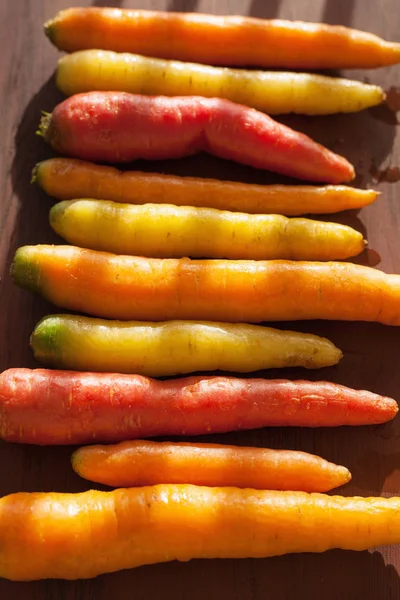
(372, 358)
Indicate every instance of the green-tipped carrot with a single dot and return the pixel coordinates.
(174, 347)
(151, 289)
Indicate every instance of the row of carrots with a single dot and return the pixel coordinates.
(154, 313)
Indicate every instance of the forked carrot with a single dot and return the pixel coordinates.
(127, 287)
(75, 536)
(69, 178)
(65, 407)
(220, 40)
(140, 462)
(116, 127)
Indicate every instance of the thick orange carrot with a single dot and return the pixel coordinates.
(68, 407)
(69, 178)
(121, 127)
(141, 462)
(126, 287)
(74, 536)
(220, 40)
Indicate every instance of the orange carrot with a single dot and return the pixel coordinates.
(127, 287)
(67, 407)
(220, 40)
(74, 536)
(69, 178)
(141, 462)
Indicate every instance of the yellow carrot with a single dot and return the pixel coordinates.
(68, 178)
(220, 40)
(140, 462)
(167, 231)
(150, 289)
(75, 536)
(271, 92)
(174, 347)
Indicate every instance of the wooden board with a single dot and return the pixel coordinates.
(372, 357)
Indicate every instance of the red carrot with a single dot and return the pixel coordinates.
(119, 127)
(67, 407)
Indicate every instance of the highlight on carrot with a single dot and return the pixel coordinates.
(78, 536)
(174, 347)
(69, 178)
(121, 127)
(271, 92)
(169, 231)
(50, 407)
(151, 289)
(140, 462)
(220, 40)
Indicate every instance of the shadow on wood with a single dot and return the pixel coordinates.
(264, 9)
(338, 12)
(106, 3)
(182, 5)
(331, 575)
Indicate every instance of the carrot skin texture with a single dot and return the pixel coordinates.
(134, 288)
(174, 347)
(271, 92)
(169, 231)
(139, 462)
(220, 40)
(121, 127)
(69, 178)
(47, 407)
(75, 536)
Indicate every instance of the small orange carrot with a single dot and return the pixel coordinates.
(69, 178)
(220, 40)
(77, 536)
(137, 288)
(141, 462)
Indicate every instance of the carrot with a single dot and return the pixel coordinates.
(271, 92)
(220, 40)
(74, 536)
(168, 231)
(141, 462)
(120, 127)
(68, 178)
(174, 347)
(49, 407)
(129, 287)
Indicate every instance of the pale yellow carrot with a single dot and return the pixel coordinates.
(167, 231)
(271, 92)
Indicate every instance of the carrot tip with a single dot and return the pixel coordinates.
(34, 175)
(49, 29)
(24, 272)
(45, 337)
(44, 124)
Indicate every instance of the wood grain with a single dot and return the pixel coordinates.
(372, 358)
